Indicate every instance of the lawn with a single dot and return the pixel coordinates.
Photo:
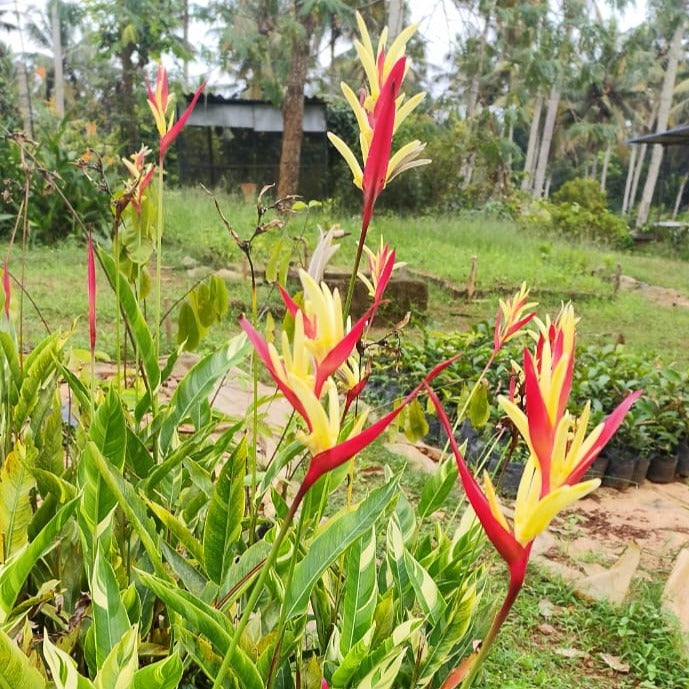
(442, 246)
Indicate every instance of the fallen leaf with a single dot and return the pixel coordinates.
(571, 653)
(546, 608)
(614, 663)
(546, 628)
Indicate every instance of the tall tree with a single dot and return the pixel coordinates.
(133, 32)
(674, 53)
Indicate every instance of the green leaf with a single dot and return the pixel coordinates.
(110, 621)
(16, 483)
(205, 622)
(178, 529)
(132, 506)
(447, 639)
(415, 424)
(244, 571)
(38, 367)
(427, 594)
(360, 591)
(225, 512)
(135, 319)
(352, 660)
(438, 487)
(188, 328)
(121, 665)
(197, 385)
(108, 433)
(383, 676)
(62, 667)
(14, 573)
(479, 409)
(15, 668)
(165, 674)
(332, 540)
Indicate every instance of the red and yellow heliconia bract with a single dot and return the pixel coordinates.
(379, 112)
(560, 451)
(513, 314)
(160, 102)
(140, 176)
(313, 367)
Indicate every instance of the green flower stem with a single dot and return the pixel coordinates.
(254, 423)
(257, 590)
(159, 260)
(353, 276)
(282, 622)
(515, 587)
(118, 312)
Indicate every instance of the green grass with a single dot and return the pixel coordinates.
(442, 246)
(636, 633)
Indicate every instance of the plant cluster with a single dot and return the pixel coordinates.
(146, 542)
(578, 212)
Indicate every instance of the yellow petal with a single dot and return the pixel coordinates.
(354, 104)
(398, 47)
(350, 158)
(550, 505)
(493, 501)
(368, 61)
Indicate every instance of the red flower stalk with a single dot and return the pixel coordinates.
(378, 159)
(159, 102)
(6, 288)
(92, 294)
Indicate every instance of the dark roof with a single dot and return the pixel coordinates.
(671, 137)
(218, 99)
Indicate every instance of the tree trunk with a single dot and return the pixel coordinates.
(57, 60)
(546, 140)
(532, 146)
(293, 117)
(128, 122)
(472, 103)
(664, 105)
(604, 172)
(628, 182)
(395, 17)
(680, 193)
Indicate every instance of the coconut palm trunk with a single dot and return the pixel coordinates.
(532, 146)
(546, 140)
(664, 105)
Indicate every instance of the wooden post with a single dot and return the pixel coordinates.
(471, 284)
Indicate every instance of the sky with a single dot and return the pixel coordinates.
(439, 23)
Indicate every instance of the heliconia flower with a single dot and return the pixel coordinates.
(6, 288)
(379, 113)
(380, 267)
(92, 295)
(327, 459)
(324, 684)
(141, 173)
(160, 102)
(556, 440)
(512, 317)
(325, 334)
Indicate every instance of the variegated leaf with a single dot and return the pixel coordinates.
(16, 482)
(121, 664)
(110, 621)
(360, 591)
(225, 512)
(15, 669)
(165, 674)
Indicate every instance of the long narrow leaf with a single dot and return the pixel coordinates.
(15, 668)
(14, 573)
(360, 591)
(137, 323)
(165, 674)
(204, 622)
(198, 384)
(16, 483)
(332, 540)
(133, 507)
(110, 621)
(225, 513)
(120, 666)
